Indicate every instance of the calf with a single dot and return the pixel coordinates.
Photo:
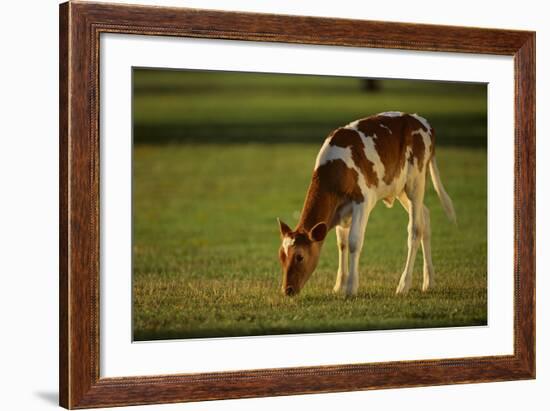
(382, 157)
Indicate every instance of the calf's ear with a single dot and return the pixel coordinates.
(318, 232)
(283, 228)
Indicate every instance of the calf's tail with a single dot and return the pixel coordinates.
(446, 201)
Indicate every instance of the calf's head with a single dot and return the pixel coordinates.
(299, 255)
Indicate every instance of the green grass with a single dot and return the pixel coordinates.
(205, 233)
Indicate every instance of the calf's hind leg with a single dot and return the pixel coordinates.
(428, 269)
(415, 205)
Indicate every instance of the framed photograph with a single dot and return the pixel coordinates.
(259, 205)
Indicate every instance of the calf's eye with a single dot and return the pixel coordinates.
(299, 258)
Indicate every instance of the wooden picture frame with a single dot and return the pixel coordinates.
(80, 27)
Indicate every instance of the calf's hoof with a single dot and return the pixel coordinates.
(351, 291)
(427, 287)
(402, 288)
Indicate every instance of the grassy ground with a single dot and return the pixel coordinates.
(205, 232)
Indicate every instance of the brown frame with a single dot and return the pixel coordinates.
(80, 27)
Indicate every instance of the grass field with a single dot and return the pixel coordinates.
(212, 157)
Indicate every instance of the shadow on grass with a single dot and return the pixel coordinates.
(417, 322)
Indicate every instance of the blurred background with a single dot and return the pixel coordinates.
(223, 107)
(218, 156)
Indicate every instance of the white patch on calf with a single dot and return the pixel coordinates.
(422, 120)
(353, 125)
(408, 153)
(331, 153)
(427, 140)
(287, 242)
(373, 156)
(386, 127)
(409, 157)
(392, 114)
(327, 153)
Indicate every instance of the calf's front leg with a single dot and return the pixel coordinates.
(342, 239)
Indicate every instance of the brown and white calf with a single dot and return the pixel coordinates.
(382, 157)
